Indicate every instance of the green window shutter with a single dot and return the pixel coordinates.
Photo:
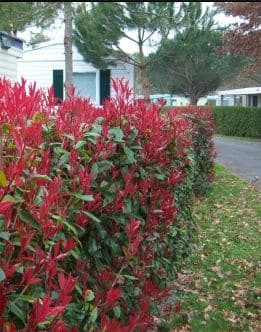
(58, 83)
(105, 76)
(255, 101)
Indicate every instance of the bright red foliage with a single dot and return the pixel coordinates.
(88, 200)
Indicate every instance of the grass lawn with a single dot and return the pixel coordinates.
(219, 287)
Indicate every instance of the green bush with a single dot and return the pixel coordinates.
(238, 121)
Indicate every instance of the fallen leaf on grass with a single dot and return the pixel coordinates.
(217, 270)
(209, 308)
(230, 316)
(185, 328)
(240, 303)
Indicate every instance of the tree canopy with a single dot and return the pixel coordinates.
(17, 16)
(244, 37)
(190, 63)
(98, 31)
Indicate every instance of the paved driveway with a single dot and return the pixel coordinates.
(241, 157)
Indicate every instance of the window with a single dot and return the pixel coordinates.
(58, 83)
(104, 85)
(254, 101)
(85, 85)
(238, 100)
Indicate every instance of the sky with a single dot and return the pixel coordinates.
(56, 32)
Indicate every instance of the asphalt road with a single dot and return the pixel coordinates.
(240, 157)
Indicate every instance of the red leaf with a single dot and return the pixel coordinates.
(66, 284)
(132, 227)
(135, 245)
(42, 309)
(5, 206)
(178, 308)
(25, 239)
(18, 142)
(2, 301)
(28, 278)
(113, 295)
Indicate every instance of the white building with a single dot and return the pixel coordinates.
(248, 97)
(11, 49)
(45, 65)
(180, 100)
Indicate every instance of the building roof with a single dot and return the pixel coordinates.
(243, 91)
(43, 45)
(7, 40)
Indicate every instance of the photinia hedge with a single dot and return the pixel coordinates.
(95, 207)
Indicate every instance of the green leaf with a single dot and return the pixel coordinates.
(41, 176)
(76, 252)
(90, 296)
(129, 277)
(96, 129)
(39, 197)
(10, 198)
(78, 288)
(71, 137)
(68, 225)
(137, 291)
(6, 128)
(103, 165)
(92, 216)
(92, 246)
(17, 311)
(160, 176)
(2, 221)
(3, 180)
(20, 269)
(129, 153)
(91, 134)
(117, 311)
(5, 235)
(38, 117)
(28, 218)
(63, 160)
(102, 232)
(86, 198)
(80, 144)
(2, 274)
(26, 298)
(173, 231)
(127, 206)
(94, 315)
(133, 135)
(108, 199)
(120, 219)
(117, 133)
(94, 171)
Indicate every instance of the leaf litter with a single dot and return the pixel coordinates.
(219, 287)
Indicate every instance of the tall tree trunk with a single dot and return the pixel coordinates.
(145, 83)
(193, 100)
(68, 45)
(143, 70)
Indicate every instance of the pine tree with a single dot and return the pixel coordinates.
(17, 16)
(98, 32)
(190, 62)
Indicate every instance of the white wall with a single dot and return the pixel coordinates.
(8, 63)
(125, 71)
(38, 64)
